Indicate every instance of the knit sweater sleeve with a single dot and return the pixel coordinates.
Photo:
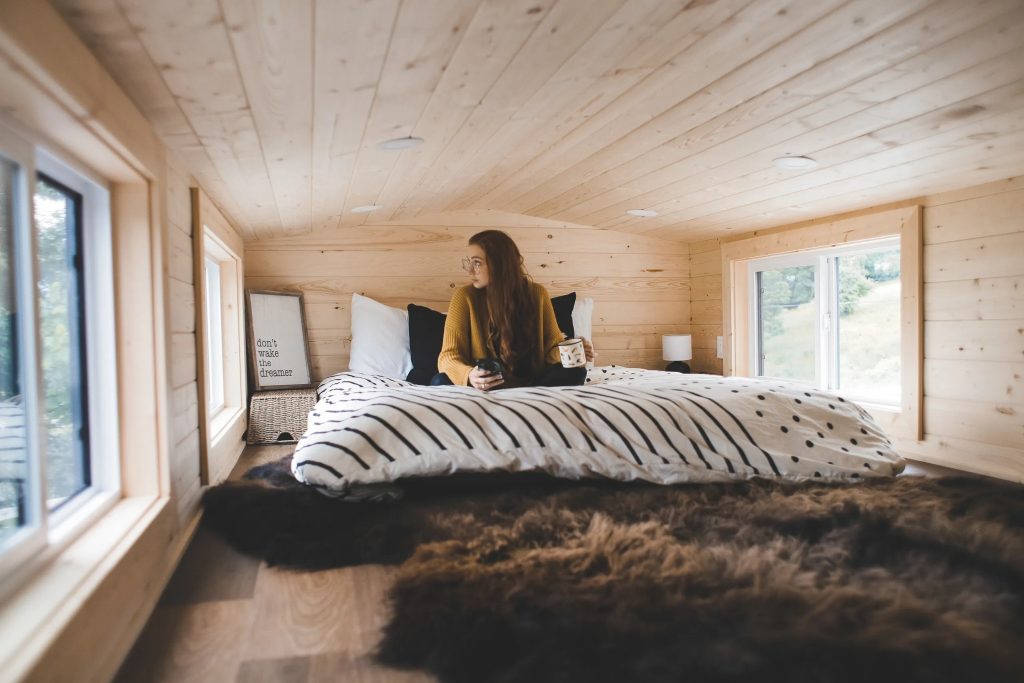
(456, 345)
(550, 332)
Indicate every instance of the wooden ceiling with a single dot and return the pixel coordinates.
(572, 110)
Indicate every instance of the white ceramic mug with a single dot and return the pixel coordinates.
(572, 354)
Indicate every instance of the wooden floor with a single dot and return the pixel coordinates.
(228, 617)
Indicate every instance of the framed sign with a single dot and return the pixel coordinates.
(279, 355)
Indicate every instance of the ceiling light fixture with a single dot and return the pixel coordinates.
(642, 213)
(407, 142)
(366, 209)
(794, 163)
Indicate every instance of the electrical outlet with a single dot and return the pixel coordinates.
(719, 347)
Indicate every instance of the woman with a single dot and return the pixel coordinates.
(502, 314)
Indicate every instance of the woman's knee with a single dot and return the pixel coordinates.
(575, 375)
(440, 380)
(558, 376)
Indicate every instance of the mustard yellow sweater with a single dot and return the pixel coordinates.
(466, 339)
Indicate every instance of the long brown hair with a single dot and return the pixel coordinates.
(512, 318)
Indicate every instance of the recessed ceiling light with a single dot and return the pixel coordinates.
(642, 213)
(407, 142)
(791, 163)
(366, 209)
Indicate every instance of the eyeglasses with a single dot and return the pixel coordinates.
(472, 264)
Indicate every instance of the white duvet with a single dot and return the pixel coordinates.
(624, 424)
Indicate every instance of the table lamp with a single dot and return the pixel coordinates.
(677, 349)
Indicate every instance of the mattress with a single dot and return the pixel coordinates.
(623, 423)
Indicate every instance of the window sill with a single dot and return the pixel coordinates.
(225, 443)
(41, 610)
(894, 420)
(886, 409)
(221, 423)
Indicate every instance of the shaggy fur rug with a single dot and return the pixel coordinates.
(519, 578)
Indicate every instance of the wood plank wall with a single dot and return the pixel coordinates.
(973, 330)
(640, 285)
(185, 488)
(706, 305)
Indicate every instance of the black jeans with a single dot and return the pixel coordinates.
(553, 376)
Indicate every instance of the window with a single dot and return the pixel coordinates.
(852, 344)
(220, 299)
(831, 318)
(14, 465)
(223, 334)
(58, 226)
(57, 379)
(214, 336)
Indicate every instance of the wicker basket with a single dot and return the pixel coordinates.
(279, 416)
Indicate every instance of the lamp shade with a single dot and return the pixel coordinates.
(676, 347)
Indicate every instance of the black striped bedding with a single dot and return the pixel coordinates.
(624, 423)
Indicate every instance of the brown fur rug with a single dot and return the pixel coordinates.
(518, 578)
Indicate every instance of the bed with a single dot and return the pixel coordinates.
(623, 423)
(377, 423)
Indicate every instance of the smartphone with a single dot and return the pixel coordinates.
(492, 365)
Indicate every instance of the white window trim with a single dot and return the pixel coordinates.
(214, 335)
(51, 532)
(779, 262)
(20, 550)
(905, 421)
(825, 373)
(220, 433)
(101, 360)
(220, 420)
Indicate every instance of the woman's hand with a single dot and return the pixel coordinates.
(485, 381)
(588, 350)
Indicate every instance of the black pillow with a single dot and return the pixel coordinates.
(426, 330)
(563, 313)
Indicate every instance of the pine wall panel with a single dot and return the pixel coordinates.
(706, 305)
(184, 387)
(973, 327)
(640, 285)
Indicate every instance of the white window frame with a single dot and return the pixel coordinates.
(48, 532)
(230, 347)
(214, 335)
(906, 422)
(826, 338)
(17, 551)
(775, 263)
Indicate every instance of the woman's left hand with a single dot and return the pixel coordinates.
(588, 350)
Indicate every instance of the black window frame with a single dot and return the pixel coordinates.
(79, 360)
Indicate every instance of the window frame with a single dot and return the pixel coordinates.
(904, 221)
(29, 541)
(80, 324)
(231, 345)
(780, 262)
(826, 335)
(220, 432)
(214, 330)
(54, 530)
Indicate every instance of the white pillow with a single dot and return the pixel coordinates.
(582, 311)
(380, 339)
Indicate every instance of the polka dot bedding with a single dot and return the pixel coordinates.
(623, 423)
